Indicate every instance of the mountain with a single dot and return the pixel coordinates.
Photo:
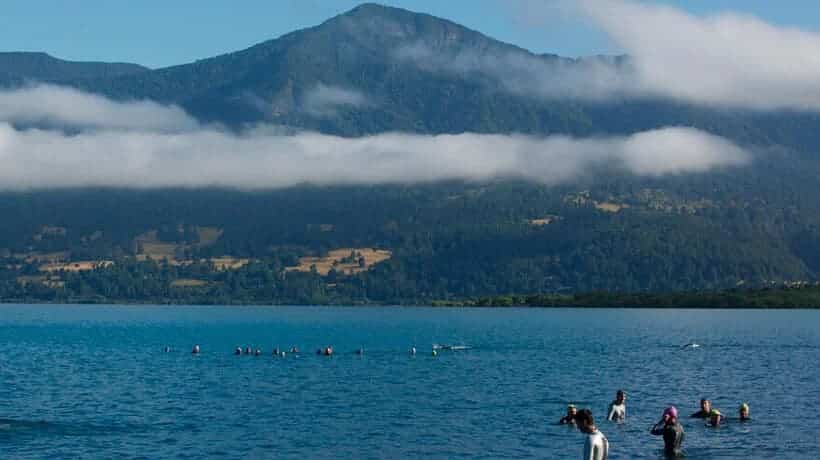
(355, 51)
(19, 67)
(374, 69)
(375, 55)
(383, 59)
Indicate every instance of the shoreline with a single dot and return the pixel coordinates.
(410, 305)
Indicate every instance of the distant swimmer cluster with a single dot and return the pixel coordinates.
(596, 445)
(325, 351)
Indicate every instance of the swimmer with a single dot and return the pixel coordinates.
(715, 418)
(294, 350)
(435, 352)
(247, 350)
(258, 352)
(672, 432)
(596, 446)
(276, 351)
(569, 419)
(360, 351)
(617, 408)
(412, 351)
(743, 413)
(328, 351)
(238, 351)
(195, 351)
(167, 349)
(318, 351)
(705, 409)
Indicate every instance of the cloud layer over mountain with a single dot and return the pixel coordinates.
(726, 60)
(142, 144)
(69, 108)
(324, 100)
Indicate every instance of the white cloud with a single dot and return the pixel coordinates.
(171, 150)
(65, 107)
(722, 60)
(519, 72)
(324, 100)
(260, 159)
(727, 59)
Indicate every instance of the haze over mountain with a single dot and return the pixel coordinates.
(482, 167)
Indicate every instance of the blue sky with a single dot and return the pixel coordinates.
(160, 33)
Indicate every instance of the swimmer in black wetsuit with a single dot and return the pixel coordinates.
(672, 432)
(569, 419)
(705, 409)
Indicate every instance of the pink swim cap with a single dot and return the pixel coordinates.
(671, 411)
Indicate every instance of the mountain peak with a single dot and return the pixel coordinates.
(370, 8)
(374, 25)
(376, 10)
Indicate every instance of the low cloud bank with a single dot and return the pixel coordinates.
(65, 107)
(142, 144)
(258, 159)
(725, 60)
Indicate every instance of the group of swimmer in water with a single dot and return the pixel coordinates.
(326, 351)
(596, 446)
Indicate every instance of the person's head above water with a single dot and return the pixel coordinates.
(670, 415)
(715, 417)
(744, 411)
(572, 410)
(620, 397)
(705, 405)
(585, 421)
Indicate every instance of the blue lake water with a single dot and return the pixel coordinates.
(93, 382)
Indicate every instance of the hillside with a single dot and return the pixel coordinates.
(390, 57)
(748, 226)
(20, 67)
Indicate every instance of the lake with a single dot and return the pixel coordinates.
(94, 382)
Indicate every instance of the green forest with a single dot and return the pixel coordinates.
(457, 243)
(724, 237)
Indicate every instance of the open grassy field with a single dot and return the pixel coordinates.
(79, 266)
(229, 263)
(188, 282)
(208, 235)
(150, 246)
(341, 260)
(610, 207)
(542, 221)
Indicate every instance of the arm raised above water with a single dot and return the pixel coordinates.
(657, 430)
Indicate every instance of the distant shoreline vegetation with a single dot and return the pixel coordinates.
(780, 297)
(802, 297)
